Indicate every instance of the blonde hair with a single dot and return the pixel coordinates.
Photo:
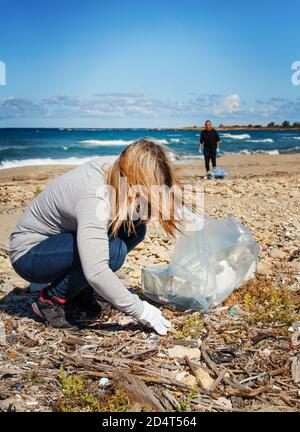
(143, 164)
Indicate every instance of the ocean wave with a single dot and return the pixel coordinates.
(106, 142)
(238, 137)
(296, 138)
(117, 142)
(175, 140)
(269, 152)
(49, 161)
(177, 156)
(37, 147)
(13, 147)
(254, 152)
(291, 150)
(267, 140)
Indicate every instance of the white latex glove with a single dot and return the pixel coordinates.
(152, 317)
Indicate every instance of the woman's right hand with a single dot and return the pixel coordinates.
(152, 317)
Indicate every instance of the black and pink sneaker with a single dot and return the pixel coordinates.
(57, 313)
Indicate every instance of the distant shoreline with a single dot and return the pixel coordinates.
(187, 128)
(243, 128)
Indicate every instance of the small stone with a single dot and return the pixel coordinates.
(296, 339)
(277, 254)
(182, 352)
(189, 380)
(296, 325)
(264, 269)
(224, 402)
(32, 403)
(204, 378)
(180, 376)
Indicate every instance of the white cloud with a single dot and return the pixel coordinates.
(131, 106)
(231, 104)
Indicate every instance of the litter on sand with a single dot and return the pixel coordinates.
(217, 173)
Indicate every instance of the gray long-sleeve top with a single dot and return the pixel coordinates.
(77, 201)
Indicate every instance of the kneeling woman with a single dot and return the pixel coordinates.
(67, 238)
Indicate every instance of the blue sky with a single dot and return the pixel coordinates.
(128, 63)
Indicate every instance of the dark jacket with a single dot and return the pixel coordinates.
(209, 139)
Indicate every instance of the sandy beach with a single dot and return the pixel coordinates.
(247, 176)
(263, 192)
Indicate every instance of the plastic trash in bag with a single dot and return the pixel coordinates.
(217, 173)
(208, 264)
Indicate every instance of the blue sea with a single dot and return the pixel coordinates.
(20, 147)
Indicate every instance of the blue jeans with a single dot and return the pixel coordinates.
(56, 261)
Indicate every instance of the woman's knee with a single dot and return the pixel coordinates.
(117, 253)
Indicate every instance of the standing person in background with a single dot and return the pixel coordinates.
(209, 145)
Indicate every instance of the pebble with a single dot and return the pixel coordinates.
(189, 380)
(204, 378)
(296, 325)
(296, 339)
(264, 269)
(277, 254)
(224, 402)
(182, 352)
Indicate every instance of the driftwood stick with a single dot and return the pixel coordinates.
(142, 354)
(126, 344)
(140, 395)
(155, 380)
(213, 366)
(218, 381)
(114, 360)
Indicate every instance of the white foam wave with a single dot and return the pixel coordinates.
(267, 140)
(49, 161)
(175, 140)
(296, 138)
(238, 137)
(117, 142)
(159, 141)
(291, 150)
(269, 152)
(13, 147)
(106, 142)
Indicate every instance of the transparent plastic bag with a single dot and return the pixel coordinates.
(208, 264)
